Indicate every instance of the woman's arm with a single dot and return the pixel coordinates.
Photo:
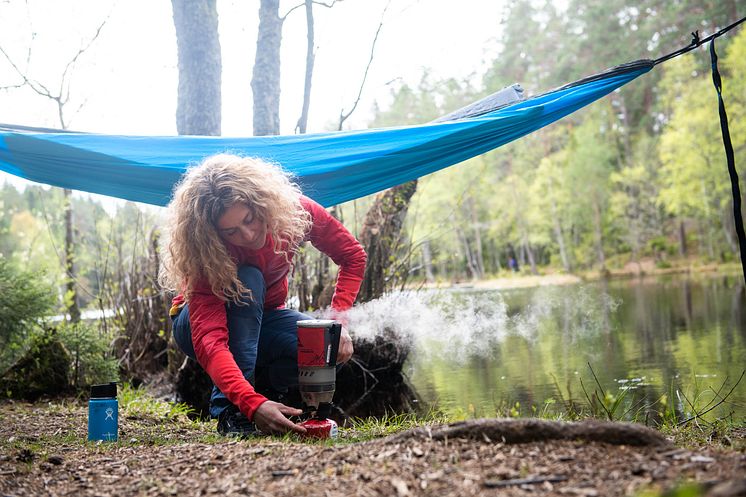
(332, 238)
(208, 321)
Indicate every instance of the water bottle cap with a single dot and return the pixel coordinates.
(105, 391)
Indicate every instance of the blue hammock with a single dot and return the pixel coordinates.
(330, 167)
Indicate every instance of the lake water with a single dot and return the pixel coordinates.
(657, 342)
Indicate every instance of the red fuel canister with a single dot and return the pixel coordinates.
(320, 428)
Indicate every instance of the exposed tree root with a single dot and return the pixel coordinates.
(537, 430)
(373, 383)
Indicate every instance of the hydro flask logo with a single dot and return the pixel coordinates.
(109, 414)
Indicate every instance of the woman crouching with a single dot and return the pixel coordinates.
(235, 224)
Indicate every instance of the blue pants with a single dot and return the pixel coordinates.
(264, 342)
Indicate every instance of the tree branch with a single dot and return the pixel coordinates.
(63, 95)
(72, 61)
(12, 87)
(327, 5)
(40, 89)
(342, 115)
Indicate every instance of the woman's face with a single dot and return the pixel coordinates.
(240, 226)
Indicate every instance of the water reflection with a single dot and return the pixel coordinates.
(655, 341)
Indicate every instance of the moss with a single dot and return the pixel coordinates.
(43, 370)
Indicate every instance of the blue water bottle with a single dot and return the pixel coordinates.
(103, 413)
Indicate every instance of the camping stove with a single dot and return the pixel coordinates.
(318, 344)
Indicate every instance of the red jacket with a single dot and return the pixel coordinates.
(207, 312)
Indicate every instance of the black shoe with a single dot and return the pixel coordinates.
(232, 423)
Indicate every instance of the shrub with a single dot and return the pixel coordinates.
(91, 361)
(25, 299)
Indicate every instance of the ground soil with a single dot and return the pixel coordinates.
(43, 452)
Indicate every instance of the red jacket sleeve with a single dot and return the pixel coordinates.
(207, 317)
(332, 238)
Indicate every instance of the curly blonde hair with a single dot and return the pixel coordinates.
(195, 251)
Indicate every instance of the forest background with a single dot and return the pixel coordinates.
(637, 179)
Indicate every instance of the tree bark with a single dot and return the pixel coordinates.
(308, 296)
(304, 297)
(265, 80)
(478, 254)
(530, 255)
(380, 234)
(71, 292)
(682, 238)
(200, 66)
(310, 58)
(557, 225)
(728, 222)
(598, 231)
(427, 261)
(468, 257)
(198, 113)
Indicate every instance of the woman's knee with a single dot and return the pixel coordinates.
(253, 279)
(182, 333)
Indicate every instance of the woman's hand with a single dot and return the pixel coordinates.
(270, 418)
(345, 347)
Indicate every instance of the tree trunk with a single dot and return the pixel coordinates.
(598, 231)
(560, 236)
(468, 257)
(530, 255)
(198, 113)
(521, 254)
(708, 218)
(682, 238)
(71, 292)
(494, 252)
(562, 249)
(200, 66)
(380, 234)
(265, 80)
(427, 261)
(310, 58)
(478, 254)
(728, 223)
(304, 296)
(307, 295)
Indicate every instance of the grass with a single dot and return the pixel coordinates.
(363, 429)
(684, 490)
(700, 416)
(135, 402)
(148, 421)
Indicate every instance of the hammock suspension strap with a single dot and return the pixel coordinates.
(730, 158)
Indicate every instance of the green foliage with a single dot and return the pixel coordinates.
(91, 361)
(609, 183)
(26, 299)
(136, 402)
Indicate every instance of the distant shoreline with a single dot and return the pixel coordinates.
(630, 270)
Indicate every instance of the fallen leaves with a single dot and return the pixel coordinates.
(406, 467)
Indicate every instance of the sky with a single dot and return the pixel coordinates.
(126, 80)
